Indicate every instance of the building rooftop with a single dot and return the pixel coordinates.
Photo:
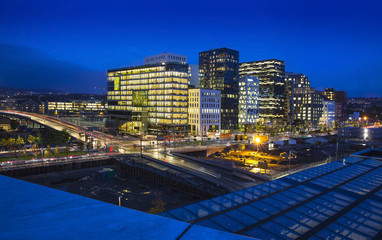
(31, 211)
(341, 199)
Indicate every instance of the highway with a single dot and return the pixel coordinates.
(225, 178)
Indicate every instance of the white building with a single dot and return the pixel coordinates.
(328, 113)
(248, 101)
(165, 58)
(204, 111)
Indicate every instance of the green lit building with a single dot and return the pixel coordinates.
(149, 98)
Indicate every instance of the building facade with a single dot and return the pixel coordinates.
(219, 70)
(76, 107)
(328, 113)
(339, 97)
(204, 111)
(248, 102)
(271, 74)
(307, 102)
(149, 98)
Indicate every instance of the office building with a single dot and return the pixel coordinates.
(307, 102)
(219, 70)
(328, 113)
(339, 97)
(248, 102)
(149, 98)
(204, 109)
(75, 107)
(271, 74)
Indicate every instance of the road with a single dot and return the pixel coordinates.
(223, 177)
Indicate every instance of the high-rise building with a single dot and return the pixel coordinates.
(204, 107)
(271, 74)
(339, 97)
(307, 102)
(328, 113)
(219, 70)
(248, 102)
(194, 75)
(150, 98)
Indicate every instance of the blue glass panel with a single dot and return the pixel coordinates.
(236, 198)
(302, 218)
(282, 183)
(167, 215)
(318, 216)
(361, 219)
(274, 202)
(212, 205)
(292, 224)
(225, 202)
(265, 207)
(254, 212)
(328, 204)
(241, 217)
(257, 191)
(319, 208)
(343, 197)
(260, 233)
(211, 224)
(198, 210)
(246, 194)
(347, 232)
(357, 226)
(279, 230)
(294, 195)
(284, 198)
(327, 234)
(183, 214)
(228, 223)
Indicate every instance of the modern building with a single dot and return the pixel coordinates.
(328, 113)
(165, 58)
(204, 111)
(288, 98)
(339, 97)
(366, 134)
(271, 74)
(149, 98)
(194, 75)
(248, 102)
(76, 107)
(307, 102)
(219, 70)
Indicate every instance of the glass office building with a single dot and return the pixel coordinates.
(248, 102)
(149, 98)
(271, 74)
(219, 70)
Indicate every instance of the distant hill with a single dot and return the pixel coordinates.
(24, 91)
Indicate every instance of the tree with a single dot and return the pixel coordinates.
(98, 145)
(31, 139)
(81, 145)
(89, 146)
(57, 151)
(48, 151)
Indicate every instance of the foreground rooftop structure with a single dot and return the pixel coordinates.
(338, 200)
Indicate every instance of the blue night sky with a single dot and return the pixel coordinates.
(69, 45)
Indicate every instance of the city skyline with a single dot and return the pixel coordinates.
(69, 46)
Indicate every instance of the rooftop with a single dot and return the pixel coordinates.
(341, 199)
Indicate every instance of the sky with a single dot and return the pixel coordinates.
(69, 45)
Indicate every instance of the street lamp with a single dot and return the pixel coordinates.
(257, 139)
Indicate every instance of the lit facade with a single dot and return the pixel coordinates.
(219, 70)
(204, 111)
(76, 107)
(271, 74)
(328, 113)
(248, 102)
(149, 98)
(307, 102)
(340, 98)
